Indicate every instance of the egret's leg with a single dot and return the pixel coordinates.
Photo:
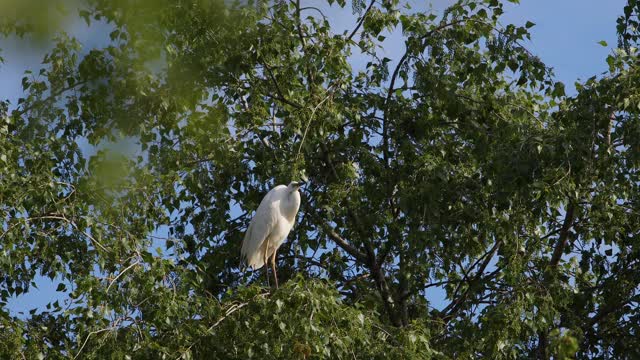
(273, 266)
(266, 264)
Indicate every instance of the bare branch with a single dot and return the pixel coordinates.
(122, 272)
(87, 339)
(314, 8)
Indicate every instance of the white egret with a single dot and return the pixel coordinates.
(270, 226)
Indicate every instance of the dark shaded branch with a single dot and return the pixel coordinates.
(51, 97)
(306, 260)
(299, 24)
(277, 86)
(625, 294)
(563, 238)
(385, 293)
(407, 293)
(541, 351)
(403, 288)
(283, 100)
(612, 118)
(456, 304)
(361, 21)
(344, 244)
(404, 58)
(314, 8)
(303, 43)
(368, 247)
(386, 105)
(384, 252)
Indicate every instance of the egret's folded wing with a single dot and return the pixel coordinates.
(260, 227)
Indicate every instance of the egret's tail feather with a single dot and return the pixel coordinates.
(253, 262)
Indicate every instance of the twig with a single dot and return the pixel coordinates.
(313, 8)
(57, 217)
(355, 278)
(233, 308)
(87, 339)
(313, 113)
(386, 333)
(73, 224)
(122, 272)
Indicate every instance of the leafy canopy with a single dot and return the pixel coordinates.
(459, 164)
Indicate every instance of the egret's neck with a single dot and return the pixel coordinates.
(290, 207)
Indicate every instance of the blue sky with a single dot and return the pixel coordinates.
(565, 37)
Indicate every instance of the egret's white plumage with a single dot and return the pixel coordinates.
(270, 226)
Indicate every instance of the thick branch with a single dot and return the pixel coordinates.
(383, 288)
(344, 244)
(403, 288)
(612, 118)
(563, 237)
(384, 252)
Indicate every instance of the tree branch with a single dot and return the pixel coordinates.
(563, 237)
(284, 100)
(120, 274)
(50, 98)
(456, 304)
(383, 288)
(277, 86)
(350, 249)
(87, 339)
(299, 24)
(404, 58)
(612, 118)
(361, 21)
(314, 8)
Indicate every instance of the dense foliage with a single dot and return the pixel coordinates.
(458, 165)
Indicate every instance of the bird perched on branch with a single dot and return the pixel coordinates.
(270, 226)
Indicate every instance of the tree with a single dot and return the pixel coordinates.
(459, 165)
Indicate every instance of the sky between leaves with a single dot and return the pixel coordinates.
(565, 37)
